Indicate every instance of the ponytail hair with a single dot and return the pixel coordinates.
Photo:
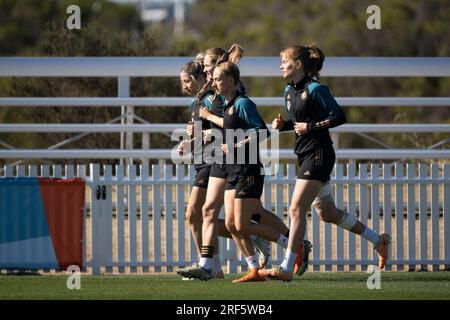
(232, 56)
(315, 61)
(219, 55)
(235, 53)
(200, 57)
(311, 57)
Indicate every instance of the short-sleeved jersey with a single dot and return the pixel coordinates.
(311, 102)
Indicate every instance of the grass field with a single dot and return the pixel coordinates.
(319, 285)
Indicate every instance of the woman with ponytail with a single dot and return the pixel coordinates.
(193, 80)
(312, 110)
(218, 178)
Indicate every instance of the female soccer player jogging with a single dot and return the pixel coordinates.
(194, 82)
(217, 182)
(312, 111)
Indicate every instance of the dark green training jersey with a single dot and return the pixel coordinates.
(197, 147)
(240, 114)
(311, 102)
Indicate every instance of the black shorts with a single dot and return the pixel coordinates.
(247, 187)
(202, 177)
(218, 171)
(317, 164)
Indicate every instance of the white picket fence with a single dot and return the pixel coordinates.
(135, 218)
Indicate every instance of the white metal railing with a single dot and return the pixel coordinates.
(249, 67)
(125, 67)
(169, 127)
(412, 203)
(171, 154)
(183, 101)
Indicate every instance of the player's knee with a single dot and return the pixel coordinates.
(241, 226)
(294, 212)
(326, 209)
(208, 212)
(323, 213)
(325, 217)
(193, 215)
(231, 226)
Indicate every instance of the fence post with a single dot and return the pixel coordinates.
(375, 203)
(193, 252)
(351, 208)
(145, 146)
(447, 216)
(132, 219)
(156, 212)
(423, 216)
(399, 214)
(180, 214)
(339, 199)
(106, 219)
(144, 218)
(120, 217)
(335, 139)
(411, 209)
(123, 91)
(168, 216)
(363, 213)
(279, 203)
(387, 205)
(81, 173)
(435, 217)
(95, 218)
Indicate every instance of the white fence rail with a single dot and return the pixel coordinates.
(183, 102)
(123, 68)
(169, 127)
(138, 221)
(286, 154)
(249, 66)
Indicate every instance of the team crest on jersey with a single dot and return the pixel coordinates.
(304, 95)
(231, 110)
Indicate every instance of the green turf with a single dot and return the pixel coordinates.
(321, 285)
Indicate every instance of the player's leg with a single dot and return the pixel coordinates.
(325, 206)
(194, 214)
(304, 193)
(243, 209)
(261, 234)
(267, 217)
(264, 247)
(222, 229)
(210, 212)
(194, 211)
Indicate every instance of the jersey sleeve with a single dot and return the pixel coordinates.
(208, 102)
(191, 105)
(332, 113)
(246, 110)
